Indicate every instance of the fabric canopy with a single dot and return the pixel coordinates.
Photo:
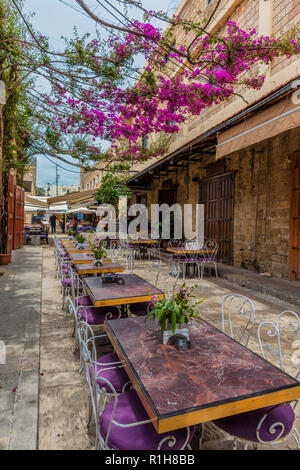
(72, 198)
(35, 201)
(29, 208)
(278, 118)
(81, 210)
(57, 209)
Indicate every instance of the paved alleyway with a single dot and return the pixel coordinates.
(20, 305)
(43, 398)
(63, 391)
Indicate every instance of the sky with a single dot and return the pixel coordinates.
(54, 19)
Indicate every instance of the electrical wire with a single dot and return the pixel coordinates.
(60, 166)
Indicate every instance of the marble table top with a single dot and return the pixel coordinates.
(134, 290)
(92, 269)
(216, 378)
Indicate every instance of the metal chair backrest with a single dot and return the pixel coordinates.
(167, 280)
(154, 270)
(238, 316)
(210, 250)
(286, 329)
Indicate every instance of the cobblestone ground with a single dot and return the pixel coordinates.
(63, 391)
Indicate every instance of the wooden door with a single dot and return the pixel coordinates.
(217, 196)
(10, 213)
(295, 220)
(18, 239)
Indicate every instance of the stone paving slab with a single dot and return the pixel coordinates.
(63, 401)
(19, 328)
(41, 362)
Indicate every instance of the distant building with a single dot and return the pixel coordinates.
(29, 179)
(50, 190)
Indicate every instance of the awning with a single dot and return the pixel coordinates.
(33, 201)
(72, 198)
(280, 117)
(57, 209)
(82, 210)
(29, 208)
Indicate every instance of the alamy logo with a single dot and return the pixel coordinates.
(166, 221)
(296, 94)
(2, 353)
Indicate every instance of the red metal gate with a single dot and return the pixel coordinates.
(18, 239)
(10, 213)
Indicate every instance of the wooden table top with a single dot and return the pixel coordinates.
(71, 249)
(92, 269)
(216, 378)
(133, 291)
(84, 258)
(183, 251)
(145, 241)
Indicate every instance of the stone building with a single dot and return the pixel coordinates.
(242, 161)
(29, 179)
(52, 191)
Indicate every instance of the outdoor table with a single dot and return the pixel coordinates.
(143, 244)
(77, 250)
(145, 241)
(134, 290)
(84, 258)
(216, 378)
(180, 251)
(92, 269)
(184, 251)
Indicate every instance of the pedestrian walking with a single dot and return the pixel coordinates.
(53, 223)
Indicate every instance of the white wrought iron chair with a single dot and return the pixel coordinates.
(190, 258)
(108, 365)
(167, 280)
(238, 317)
(208, 257)
(124, 424)
(274, 424)
(81, 309)
(152, 271)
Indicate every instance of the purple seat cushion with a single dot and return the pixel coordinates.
(115, 375)
(109, 358)
(143, 437)
(65, 271)
(97, 315)
(67, 282)
(244, 425)
(83, 300)
(140, 309)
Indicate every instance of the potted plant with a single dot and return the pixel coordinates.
(71, 234)
(174, 314)
(98, 251)
(80, 242)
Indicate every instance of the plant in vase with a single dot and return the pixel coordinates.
(174, 314)
(80, 241)
(98, 251)
(71, 233)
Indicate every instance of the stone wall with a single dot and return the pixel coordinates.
(262, 195)
(268, 17)
(262, 202)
